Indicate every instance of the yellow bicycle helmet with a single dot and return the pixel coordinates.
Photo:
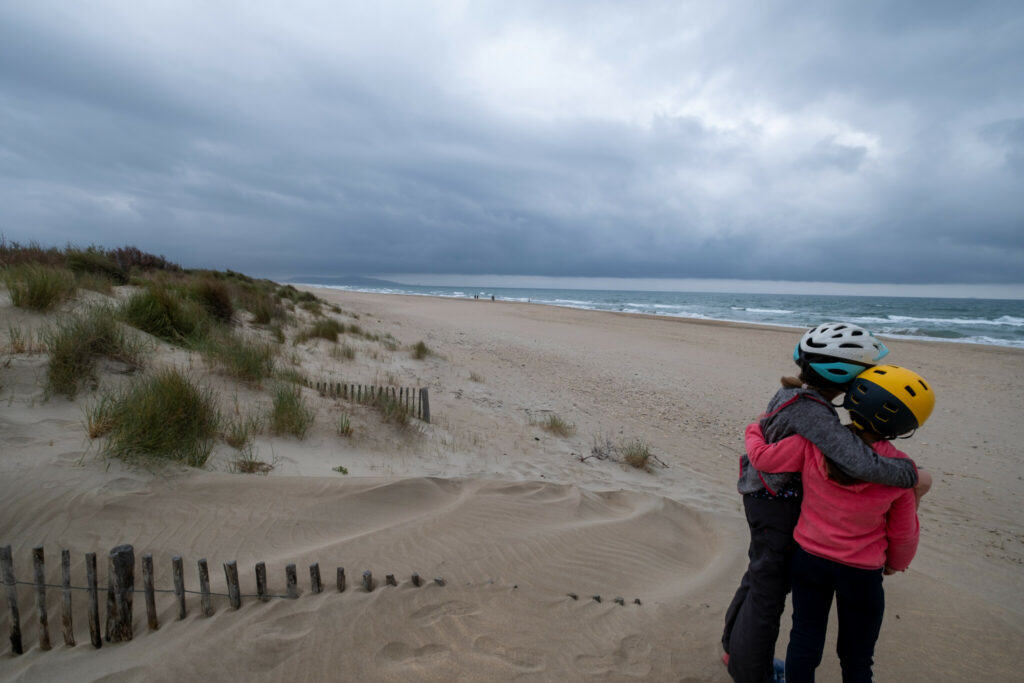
(889, 400)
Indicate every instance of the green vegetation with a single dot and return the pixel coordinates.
(392, 411)
(290, 414)
(241, 358)
(96, 262)
(159, 310)
(420, 350)
(340, 469)
(344, 426)
(637, 454)
(75, 343)
(162, 418)
(327, 328)
(215, 297)
(39, 288)
(557, 426)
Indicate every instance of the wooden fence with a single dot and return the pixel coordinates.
(415, 401)
(121, 591)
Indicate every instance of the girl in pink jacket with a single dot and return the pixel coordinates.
(849, 532)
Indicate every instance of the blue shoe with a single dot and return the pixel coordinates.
(779, 667)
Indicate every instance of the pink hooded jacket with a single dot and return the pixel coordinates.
(864, 525)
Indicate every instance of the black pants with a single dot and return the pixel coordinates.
(752, 620)
(860, 603)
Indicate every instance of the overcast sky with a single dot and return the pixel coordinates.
(858, 142)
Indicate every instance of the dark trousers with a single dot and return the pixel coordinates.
(860, 603)
(752, 620)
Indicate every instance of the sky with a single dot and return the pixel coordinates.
(841, 142)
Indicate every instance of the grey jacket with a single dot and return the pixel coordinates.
(807, 413)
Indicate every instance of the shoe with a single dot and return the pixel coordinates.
(779, 667)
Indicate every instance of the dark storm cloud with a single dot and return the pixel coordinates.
(840, 142)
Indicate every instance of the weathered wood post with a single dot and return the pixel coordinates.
(292, 581)
(94, 600)
(11, 588)
(416, 580)
(178, 569)
(425, 401)
(120, 593)
(341, 579)
(261, 581)
(204, 588)
(314, 578)
(147, 586)
(65, 584)
(368, 580)
(389, 580)
(231, 576)
(40, 577)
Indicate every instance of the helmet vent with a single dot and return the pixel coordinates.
(921, 382)
(910, 390)
(889, 407)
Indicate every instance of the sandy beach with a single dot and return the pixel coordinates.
(512, 517)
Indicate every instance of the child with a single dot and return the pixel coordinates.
(849, 531)
(830, 356)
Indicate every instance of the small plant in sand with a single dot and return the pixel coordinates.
(636, 453)
(248, 463)
(344, 425)
(392, 411)
(342, 352)
(240, 431)
(289, 413)
(241, 358)
(328, 329)
(291, 375)
(20, 341)
(554, 424)
(163, 417)
(76, 341)
(341, 469)
(474, 377)
(420, 350)
(39, 288)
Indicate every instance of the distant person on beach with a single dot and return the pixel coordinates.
(850, 531)
(830, 356)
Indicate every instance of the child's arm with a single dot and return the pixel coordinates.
(903, 531)
(782, 456)
(819, 424)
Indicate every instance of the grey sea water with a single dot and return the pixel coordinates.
(997, 322)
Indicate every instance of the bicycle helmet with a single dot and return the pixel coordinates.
(838, 352)
(889, 400)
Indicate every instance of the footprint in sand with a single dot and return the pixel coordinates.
(431, 614)
(631, 658)
(396, 654)
(518, 658)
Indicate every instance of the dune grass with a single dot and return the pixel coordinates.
(327, 328)
(75, 342)
(289, 414)
(39, 288)
(215, 297)
(165, 417)
(554, 424)
(420, 350)
(162, 312)
(636, 453)
(244, 359)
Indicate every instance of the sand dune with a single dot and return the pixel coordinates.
(512, 517)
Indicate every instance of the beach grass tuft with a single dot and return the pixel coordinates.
(160, 311)
(39, 288)
(327, 328)
(636, 453)
(289, 413)
(420, 350)
(554, 424)
(75, 342)
(244, 359)
(165, 417)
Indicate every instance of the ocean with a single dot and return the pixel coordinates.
(996, 322)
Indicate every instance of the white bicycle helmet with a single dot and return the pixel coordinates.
(838, 352)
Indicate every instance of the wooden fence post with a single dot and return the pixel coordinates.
(147, 586)
(65, 583)
(341, 579)
(314, 578)
(261, 581)
(292, 582)
(179, 585)
(11, 588)
(94, 600)
(368, 580)
(416, 580)
(204, 587)
(425, 403)
(40, 577)
(120, 592)
(231, 576)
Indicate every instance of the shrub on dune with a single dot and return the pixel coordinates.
(75, 343)
(164, 417)
(39, 288)
(161, 312)
(290, 414)
(238, 357)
